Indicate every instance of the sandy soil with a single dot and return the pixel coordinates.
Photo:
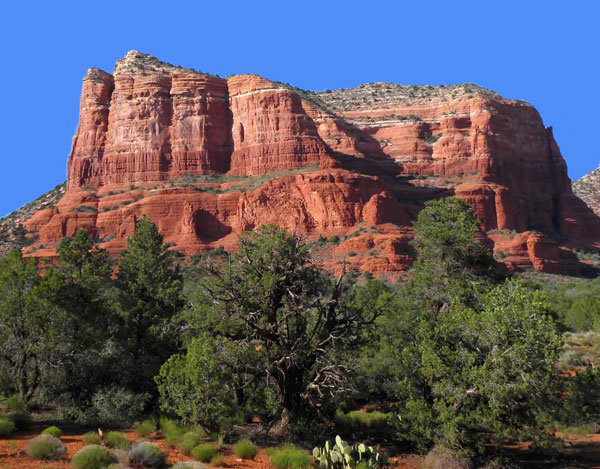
(12, 454)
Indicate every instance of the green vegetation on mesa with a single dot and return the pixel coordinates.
(458, 358)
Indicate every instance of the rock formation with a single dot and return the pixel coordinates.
(588, 189)
(208, 158)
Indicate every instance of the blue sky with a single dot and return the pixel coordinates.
(544, 52)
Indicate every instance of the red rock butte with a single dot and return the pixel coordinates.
(208, 158)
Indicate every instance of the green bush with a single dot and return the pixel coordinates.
(53, 431)
(22, 420)
(118, 407)
(289, 458)
(7, 426)
(245, 449)
(91, 438)
(360, 423)
(443, 458)
(45, 447)
(16, 403)
(203, 453)
(217, 460)
(188, 442)
(145, 454)
(117, 440)
(93, 457)
(145, 428)
(171, 428)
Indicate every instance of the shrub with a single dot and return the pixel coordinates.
(443, 458)
(22, 420)
(91, 438)
(362, 423)
(145, 454)
(171, 428)
(116, 440)
(118, 407)
(289, 458)
(188, 442)
(217, 460)
(93, 457)
(7, 426)
(16, 403)
(189, 465)
(203, 452)
(245, 449)
(45, 447)
(53, 431)
(145, 428)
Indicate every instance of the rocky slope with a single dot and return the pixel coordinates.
(208, 158)
(588, 189)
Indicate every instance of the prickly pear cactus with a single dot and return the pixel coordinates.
(343, 456)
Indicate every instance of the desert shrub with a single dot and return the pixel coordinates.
(45, 447)
(117, 440)
(444, 458)
(53, 431)
(171, 428)
(358, 422)
(22, 420)
(203, 452)
(245, 449)
(189, 465)
(118, 407)
(91, 438)
(289, 458)
(217, 460)
(145, 428)
(145, 454)
(93, 457)
(189, 441)
(7, 426)
(16, 403)
(122, 457)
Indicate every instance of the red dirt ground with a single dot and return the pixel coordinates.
(581, 451)
(12, 454)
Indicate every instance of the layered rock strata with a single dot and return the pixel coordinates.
(208, 158)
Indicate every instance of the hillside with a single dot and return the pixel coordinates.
(208, 158)
(588, 189)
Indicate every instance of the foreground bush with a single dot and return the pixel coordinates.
(204, 452)
(45, 447)
(188, 442)
(245, 449)
(93, 457)
(145, 454)
(116, 440)
(443, 458)
(289, 458)
(145, 428)
(53, 431)
(91, 438)
(7, 426)
(362, 423)
(189, 465)
(118, 407)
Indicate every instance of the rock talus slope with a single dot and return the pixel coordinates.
(208, 158)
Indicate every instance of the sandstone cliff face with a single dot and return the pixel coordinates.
(209, 158)
(588, 189)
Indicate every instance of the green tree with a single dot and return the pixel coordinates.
(149, 292)
(452, 264)
(284, 319)
(31, 328)
(468, 360)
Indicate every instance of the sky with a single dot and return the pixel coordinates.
(543, 52)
